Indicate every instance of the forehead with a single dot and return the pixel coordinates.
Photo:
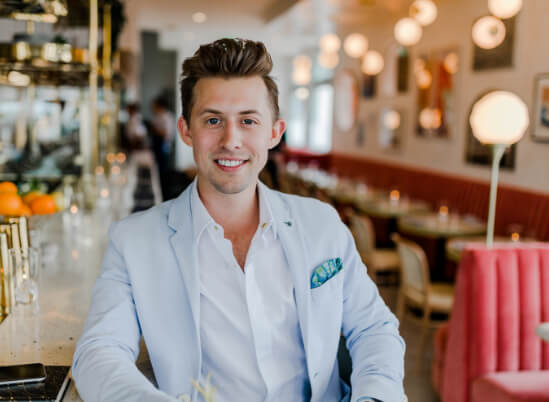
(231, 95)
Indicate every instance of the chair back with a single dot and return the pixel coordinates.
(413, 266)
(502, 295)
(363, 231)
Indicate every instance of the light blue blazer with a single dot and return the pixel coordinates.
(149, 285)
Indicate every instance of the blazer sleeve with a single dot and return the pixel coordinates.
(371, 333)
(104, 361)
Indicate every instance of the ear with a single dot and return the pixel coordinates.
(278, 129)
(184, 131)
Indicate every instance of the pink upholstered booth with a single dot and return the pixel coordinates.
(489, 351)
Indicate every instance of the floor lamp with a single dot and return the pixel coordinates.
(499, 119)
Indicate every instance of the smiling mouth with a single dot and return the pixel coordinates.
(230, 163)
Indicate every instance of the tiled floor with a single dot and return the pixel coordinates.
(417, 381)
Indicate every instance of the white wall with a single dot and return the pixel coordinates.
(452, 29)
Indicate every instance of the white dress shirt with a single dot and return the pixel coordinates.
(250, 335)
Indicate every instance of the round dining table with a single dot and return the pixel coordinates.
(432, 232)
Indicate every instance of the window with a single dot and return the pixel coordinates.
(311, 113)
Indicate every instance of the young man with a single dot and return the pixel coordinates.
(232, 279)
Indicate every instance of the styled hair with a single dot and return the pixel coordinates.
(227, 58)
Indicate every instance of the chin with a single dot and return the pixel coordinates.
(230, 188)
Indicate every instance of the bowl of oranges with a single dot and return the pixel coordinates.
(32, 203)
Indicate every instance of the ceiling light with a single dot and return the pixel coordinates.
(355, 45)
(504, 8)
(199, 17)
(424, 11)
(330, 43)
(408, 32)
(301, 76)
(328, 60)
(488, 32)
(302, 62)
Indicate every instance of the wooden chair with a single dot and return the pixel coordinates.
(416, 289)
(376, 260)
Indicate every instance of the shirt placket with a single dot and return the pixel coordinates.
(258, 318)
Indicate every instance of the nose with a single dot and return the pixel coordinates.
(232, 136)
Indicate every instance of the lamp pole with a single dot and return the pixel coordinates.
(498, 151)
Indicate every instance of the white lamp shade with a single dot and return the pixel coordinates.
(504, 8)
(424, 11)
(391, 119)
(373, 63)
(451, 63)
(328, 60)
(424, 79)
(302, 93)
(301, 76)
(355, 45)
(408, 32)
(488, 32)
(499, 117)
(302, 62)
(330, 43)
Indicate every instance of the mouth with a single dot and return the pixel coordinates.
(230, 165)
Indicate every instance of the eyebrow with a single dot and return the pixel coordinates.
(243, 112)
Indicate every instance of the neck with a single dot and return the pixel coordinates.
(234, 212)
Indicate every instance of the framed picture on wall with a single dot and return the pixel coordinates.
(540, 118)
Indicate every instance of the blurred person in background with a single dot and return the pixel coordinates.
(162, 136)
(135, 130)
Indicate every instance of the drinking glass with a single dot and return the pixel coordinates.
(25, 265)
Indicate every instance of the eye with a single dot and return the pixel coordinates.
(248, 122)
(212, 121)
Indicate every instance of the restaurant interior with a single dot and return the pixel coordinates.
(424, 123)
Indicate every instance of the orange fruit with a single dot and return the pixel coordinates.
(10, 204)
(43, 205)
(31, 196)
(8, 187)
(25, 210)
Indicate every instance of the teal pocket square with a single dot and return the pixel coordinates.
(325, 271)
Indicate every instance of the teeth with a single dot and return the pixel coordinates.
(229, 163)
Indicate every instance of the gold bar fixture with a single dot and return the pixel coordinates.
(93, 35)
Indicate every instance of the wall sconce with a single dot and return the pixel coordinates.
(330, 43)
(500, 119)
(373, 63)
(488, 32)
(355, 45)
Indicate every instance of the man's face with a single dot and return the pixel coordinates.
(231, 132)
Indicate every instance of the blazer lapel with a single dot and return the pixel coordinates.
(292, 243)
(182, 243)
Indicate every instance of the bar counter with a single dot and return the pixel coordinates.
(71, 258)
